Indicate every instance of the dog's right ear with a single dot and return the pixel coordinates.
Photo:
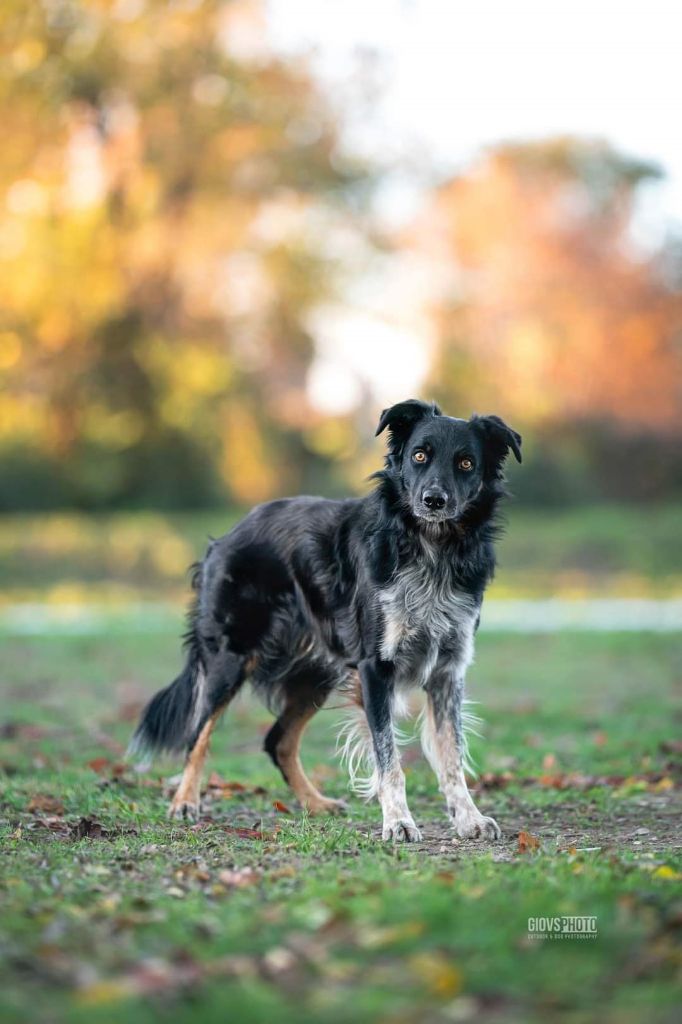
(401, 419)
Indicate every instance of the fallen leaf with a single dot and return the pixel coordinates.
(493, 780)
(663, 785)
(218, 787)
(101, 993)
(88, 828)
(238, 878)
(441, 976)
(45, 803)
(668, 873)
(99, 765)
(527, 843)
(278, 960)
(279, 806)
(286, 871)
(173, 890)
(246, 833)
(215, 782)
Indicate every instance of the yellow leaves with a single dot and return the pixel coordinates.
(101, 993)
(437, 972)
(116, 430)
(335, 438)
(28, 54)
(55, 329)
(247, 468)
(22, 417)
(187, 375)
(667, 873)
(10, 349)
(26, 198)
(663, 785)
(201, 370)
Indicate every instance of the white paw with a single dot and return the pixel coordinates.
(401, 830)
(475, 825)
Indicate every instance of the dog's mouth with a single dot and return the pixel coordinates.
(428, 515)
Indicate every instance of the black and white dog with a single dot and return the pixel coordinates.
(367, 595)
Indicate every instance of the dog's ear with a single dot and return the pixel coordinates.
(498, 437)
(401, 418)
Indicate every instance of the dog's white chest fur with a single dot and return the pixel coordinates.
(421, 608)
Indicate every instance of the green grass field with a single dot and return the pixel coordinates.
(110, 912)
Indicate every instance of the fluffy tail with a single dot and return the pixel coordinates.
(169, 721)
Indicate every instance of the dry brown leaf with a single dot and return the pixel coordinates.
(527, 843)
(46, 804)
(88, 828)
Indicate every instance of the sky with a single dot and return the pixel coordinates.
(452, 76)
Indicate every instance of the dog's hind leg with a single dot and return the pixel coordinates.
(283, 744)
(185, 802)
(222, 684)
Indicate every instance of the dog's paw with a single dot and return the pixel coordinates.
(402, 830)
(183, 810)
(325, 805)
(477, 826)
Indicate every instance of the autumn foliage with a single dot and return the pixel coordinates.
(176, 203)
(553, 312)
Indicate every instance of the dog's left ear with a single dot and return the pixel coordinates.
(401, 419)
(498, 436)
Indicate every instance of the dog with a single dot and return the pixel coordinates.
(370, 596)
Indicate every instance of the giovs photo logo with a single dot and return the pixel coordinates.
(563, 927)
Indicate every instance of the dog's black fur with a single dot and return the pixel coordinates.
(306, 594)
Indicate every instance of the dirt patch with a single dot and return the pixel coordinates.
(645, 825)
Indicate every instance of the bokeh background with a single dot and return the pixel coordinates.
(231, 231)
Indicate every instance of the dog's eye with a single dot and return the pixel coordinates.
(466, 464)
(420, 455)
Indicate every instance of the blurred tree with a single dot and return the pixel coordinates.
(167, 188)
(555, 317)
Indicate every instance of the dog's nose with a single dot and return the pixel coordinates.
(434, 499)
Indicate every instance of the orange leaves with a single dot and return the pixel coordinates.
(561, 314)
(527, 843)
(218, 787)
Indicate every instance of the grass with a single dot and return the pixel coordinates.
(109, 910)
(606, 550)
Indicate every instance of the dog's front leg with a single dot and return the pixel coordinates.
(377, 695)
(444, 744)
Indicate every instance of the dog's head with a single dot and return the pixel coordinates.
(442, 464)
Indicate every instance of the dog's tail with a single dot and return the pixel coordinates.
(169, 721)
